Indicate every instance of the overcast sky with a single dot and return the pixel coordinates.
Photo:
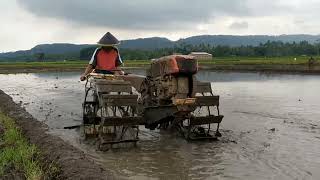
(26, 23)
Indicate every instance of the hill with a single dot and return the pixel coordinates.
(67, 51)
(146, 43)
(53, 49)
(253, 40)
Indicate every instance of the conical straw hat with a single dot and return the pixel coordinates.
(108, 40)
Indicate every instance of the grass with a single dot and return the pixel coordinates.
(17, 153)
(54, 64)
(232, 60)
(257, 61)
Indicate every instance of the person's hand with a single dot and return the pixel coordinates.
(83, 77)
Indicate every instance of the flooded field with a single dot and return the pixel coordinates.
(271, 128)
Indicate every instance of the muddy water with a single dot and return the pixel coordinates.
(271, 128)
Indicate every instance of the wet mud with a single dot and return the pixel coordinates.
(271, 128)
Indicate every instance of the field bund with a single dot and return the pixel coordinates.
(72, 163)
(245, 64)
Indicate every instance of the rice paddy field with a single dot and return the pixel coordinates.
(130, 63)
(247, 64)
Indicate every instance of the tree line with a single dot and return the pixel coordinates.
(268, 49)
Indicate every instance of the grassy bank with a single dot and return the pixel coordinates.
(17, 156)
(216, 60)
(303, 60)
(53, 156)
(54, 64)
(220, 62)
(257, 60)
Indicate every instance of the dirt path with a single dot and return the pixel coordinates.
(74, 164)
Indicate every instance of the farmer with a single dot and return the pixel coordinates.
(106, 58)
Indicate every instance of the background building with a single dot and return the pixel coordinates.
(201, 55)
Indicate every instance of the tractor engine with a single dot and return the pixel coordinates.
(171, 78)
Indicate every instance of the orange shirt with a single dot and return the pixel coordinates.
(105, 60)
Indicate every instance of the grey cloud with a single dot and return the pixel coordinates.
(239, 25)
(136, 14)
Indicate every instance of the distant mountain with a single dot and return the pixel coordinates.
(254, 40)
(56, 48)
(73, 50)
(146, 43)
